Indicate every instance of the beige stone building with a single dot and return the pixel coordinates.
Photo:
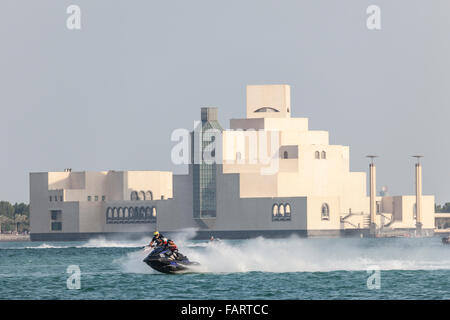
(271, 176)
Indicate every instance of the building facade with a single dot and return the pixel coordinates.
(268, 175)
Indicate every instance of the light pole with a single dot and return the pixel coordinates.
(373, 188)
(418, 195)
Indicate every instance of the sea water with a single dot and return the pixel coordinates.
(292, 268)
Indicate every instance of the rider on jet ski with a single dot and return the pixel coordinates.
(174, 249)
(158, 238)
(161, 241)
(165, 258)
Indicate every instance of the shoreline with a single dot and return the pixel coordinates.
(4, 237)
(14, 237)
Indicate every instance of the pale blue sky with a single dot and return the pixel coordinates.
(108, 96)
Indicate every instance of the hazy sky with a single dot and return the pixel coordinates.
(108, 96)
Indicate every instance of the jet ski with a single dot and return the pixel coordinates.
(446, 240)
(163, 260)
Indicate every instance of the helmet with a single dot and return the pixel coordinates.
(156, 233)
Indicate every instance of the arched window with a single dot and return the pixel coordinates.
(148, 212)
(109, 213)
(120, 213)
(141, 195)
(287, 210)
(115, 212)
(142, 213)
(125, 213)
(267, 109)
(281, 210)
(325, 212)
(131, 212)
(285, 155)
(324, 155)
(134, 195)
(317, 155)
(154, 212)
(275, 210)
(149, 195)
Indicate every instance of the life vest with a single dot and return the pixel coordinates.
(172, 246)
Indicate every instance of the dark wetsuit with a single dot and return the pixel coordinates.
(159, 241)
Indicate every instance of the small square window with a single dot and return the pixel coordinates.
(56, 215)
(103, 198)
(56, 226)
(96, 198)
(89, 198)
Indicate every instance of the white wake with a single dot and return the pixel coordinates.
(307, 255)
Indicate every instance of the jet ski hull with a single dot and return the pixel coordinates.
(159, 261)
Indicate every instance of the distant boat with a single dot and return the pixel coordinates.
(446, 240)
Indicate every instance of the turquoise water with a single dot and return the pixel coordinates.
(252, 269)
